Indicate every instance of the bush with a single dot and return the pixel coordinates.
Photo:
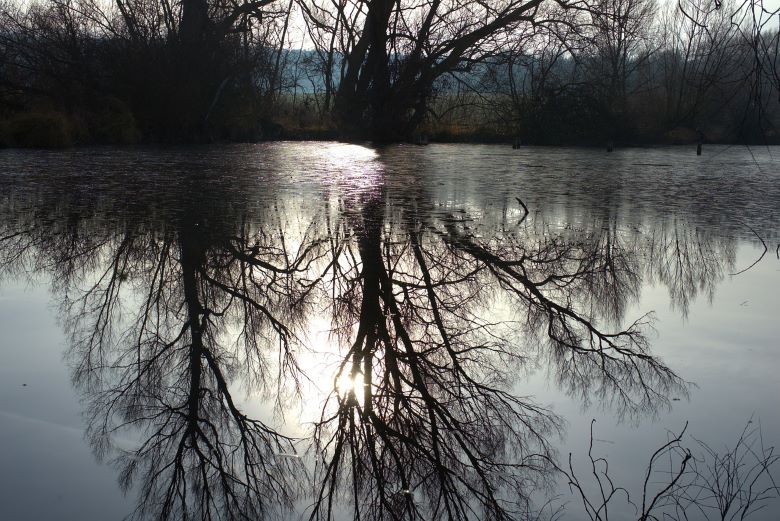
(38, 129)
(114, 123)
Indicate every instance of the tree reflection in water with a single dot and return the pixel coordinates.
(175, 297)
(149, 306)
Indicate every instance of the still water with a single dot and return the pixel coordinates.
(256, 330)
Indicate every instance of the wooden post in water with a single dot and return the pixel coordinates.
(701, 141)
(421, 139)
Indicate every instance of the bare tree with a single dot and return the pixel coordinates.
(422, 422)
(163, 318)
(622, 43)
(394, 53)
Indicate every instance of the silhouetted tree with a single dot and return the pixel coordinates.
(393, 53)
(163, 316)
(428, 424)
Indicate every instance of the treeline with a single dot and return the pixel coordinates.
(540, 71)
(648, 74)
(138, 70)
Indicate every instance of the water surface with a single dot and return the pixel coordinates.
(294, 311)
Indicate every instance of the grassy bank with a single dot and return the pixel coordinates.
(297, 119)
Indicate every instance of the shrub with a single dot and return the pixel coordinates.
(115, 123)
(38, 129)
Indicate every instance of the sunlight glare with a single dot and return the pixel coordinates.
(346, 384)
(353, 165)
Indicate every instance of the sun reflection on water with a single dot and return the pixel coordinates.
(353, 166)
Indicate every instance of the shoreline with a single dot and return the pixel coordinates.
(334, 139)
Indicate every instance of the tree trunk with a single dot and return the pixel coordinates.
(191, 256)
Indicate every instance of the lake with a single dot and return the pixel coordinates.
(278, 328)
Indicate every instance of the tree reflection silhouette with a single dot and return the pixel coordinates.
(148, 310)
(182, 296)
(435, 429)
(434, 432)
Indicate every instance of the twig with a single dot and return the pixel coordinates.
(762, 255)
(525, 209)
